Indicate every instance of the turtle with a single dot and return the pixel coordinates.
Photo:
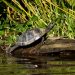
(30, 36)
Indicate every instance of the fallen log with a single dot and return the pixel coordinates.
(51, 45)
(57, 44)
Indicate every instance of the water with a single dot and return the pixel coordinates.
(37, 65)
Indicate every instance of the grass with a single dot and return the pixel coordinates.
(25, 14)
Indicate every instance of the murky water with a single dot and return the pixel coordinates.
(37, 65)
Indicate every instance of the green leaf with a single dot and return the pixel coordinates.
(34, 18)
(1, 32)
(0, 0)
(37, 1)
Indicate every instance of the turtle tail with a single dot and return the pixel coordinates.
(49, 27)
(12, 48)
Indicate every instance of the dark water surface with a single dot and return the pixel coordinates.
(37, 65)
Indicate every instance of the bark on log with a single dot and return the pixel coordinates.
(51, 45)
(57, 44)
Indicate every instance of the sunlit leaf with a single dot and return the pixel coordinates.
(34, 18)
(37, 1)
(1, 32)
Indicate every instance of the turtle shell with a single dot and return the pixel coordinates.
(30, 36)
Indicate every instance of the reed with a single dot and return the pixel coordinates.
(25, 14)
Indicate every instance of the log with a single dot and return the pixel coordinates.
(57, 44)
(51, 45)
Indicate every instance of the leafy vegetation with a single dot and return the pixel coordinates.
(16, 16)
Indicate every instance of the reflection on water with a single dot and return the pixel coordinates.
(54, 64)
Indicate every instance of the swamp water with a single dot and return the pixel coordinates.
(37, 65)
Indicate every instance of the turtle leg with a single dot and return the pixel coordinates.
(36, 49)
(43, 41)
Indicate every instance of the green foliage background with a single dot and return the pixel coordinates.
(16, 16)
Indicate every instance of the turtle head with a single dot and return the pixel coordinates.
(50, 26)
